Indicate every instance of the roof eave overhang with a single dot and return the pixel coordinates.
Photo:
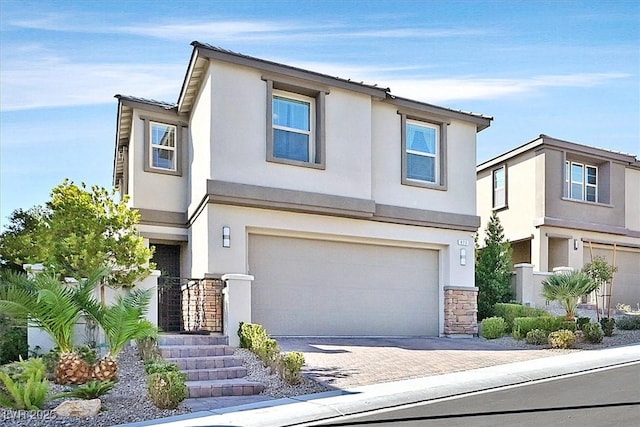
(204, 51)
(482, 122)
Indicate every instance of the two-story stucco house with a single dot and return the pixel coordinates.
(352, 210)
(562, 203)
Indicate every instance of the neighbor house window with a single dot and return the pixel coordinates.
(293, 127)
(500, 188)
(163, 146)
(423, 153)
(295, 123)
(581, 181)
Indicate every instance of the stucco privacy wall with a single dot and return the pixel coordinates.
(243, 220)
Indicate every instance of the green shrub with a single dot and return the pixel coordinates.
(13, 341)
(152, 367)
(581, 322)
(562, 338)
(608, 324)
(251, 334)
(26, 387)
(592, 333)
(90, 390)
(254, 338)
(510, 311)
(522, 325)
(87, 353)
(628, 322)
(493, 327)
(167, 389)
(290, 367)
(536, 337)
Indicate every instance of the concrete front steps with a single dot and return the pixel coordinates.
(212, 369)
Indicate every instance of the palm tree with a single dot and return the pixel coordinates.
(567, 288)
(52, 306)
(121, 322)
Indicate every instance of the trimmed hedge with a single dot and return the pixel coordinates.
(492, 327)
(522, 325)
(509, 312)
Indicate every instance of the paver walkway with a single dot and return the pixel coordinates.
(349, 362)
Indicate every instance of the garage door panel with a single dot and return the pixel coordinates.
(313, 287)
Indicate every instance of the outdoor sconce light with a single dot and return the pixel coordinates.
(226, 236)
(575, 244)
(463, 256)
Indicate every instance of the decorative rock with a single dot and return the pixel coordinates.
(78, 408)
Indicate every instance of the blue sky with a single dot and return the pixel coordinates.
(568, 69)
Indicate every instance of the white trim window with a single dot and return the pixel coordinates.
(422, 151)
(163, 146)
(581, 181)
(499, 187)
(293, 126)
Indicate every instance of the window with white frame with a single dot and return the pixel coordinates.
(162, 146)
(422, 151)
(500, 187)
(581, 181)
(293, 122)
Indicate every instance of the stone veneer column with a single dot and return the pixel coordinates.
(237, 304)
(460, 311)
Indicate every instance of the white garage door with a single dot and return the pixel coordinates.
(314, 287)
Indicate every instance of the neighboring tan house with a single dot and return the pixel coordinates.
(561, 203)
(353, 209)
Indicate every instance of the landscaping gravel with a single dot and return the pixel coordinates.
(127, 402)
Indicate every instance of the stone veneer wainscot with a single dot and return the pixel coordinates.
(460, 310)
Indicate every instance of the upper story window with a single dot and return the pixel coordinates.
(500, 187)
(295, 122)
(581, 181)
(163, 146)
(423, 149)
(293, 127)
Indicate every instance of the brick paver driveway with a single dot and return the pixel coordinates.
(349, 362)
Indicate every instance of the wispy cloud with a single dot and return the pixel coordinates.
(471, 88)
(57, 82)
(223, 30)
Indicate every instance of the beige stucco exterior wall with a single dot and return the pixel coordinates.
(522, 179)
(238, 138)
(386, 147)
(632, 197)
(146, 188)
(200, 144)
(210, 257)
(598, 213)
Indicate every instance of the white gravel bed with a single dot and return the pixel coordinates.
(274, 385)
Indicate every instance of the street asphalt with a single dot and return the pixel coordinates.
(362, 399)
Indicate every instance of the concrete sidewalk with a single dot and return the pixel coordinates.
(323, 406)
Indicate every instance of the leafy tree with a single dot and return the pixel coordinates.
(79, 231)
(16, 244)
(493, 269)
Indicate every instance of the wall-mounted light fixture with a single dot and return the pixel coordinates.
(575, 244)
(226, 236)
(463, 256)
